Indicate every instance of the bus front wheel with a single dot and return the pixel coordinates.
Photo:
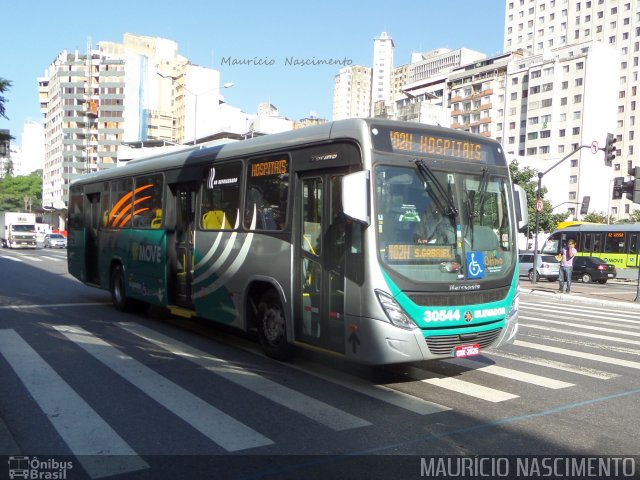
(118, 290)
(272, 328)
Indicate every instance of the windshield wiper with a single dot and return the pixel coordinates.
(440, 194)
(482, 189)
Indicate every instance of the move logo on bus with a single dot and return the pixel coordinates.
(146, 253)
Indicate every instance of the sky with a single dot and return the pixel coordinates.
(213, 34)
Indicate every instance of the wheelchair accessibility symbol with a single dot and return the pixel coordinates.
(475, 265)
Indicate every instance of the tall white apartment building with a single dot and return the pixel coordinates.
(134, 91)
(81, 99)
(382, 71)
(32, 149)
(542, 26)
(352, 93)
(557, 104)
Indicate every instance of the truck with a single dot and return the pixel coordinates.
(18, 230)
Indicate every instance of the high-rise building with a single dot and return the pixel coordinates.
(559, 104)
(382, 71)
(135, 91)
(543, 26)
(352, 93)
(32, 149)
(82, 100)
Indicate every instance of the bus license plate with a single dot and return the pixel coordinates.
(463, 351)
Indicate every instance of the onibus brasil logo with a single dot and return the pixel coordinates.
(35, 468)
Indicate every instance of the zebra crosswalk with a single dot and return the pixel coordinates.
(550, 354)
(31, 257)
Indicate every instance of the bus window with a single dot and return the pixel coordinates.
(552, 244)
(586, 242)
(614, 242)
(120, 203)
(266, 196)
(147, 202)
(221, 198)
(312, 216)
(633, 244)
(597, 243)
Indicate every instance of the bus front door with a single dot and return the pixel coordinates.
(320, 279)
(92, 224)
(184, 245)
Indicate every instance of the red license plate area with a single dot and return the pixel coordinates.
(464, 351)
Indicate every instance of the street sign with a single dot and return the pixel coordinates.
(594, 147)
(540, 205)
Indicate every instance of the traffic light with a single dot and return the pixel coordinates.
(610, 149)
(618, 182)
(633, 193)
(631, 188)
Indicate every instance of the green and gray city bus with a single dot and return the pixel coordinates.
(381, 241)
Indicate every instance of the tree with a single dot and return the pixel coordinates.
(527, 178)
(595, 217)
(4, 86)
(15, 192)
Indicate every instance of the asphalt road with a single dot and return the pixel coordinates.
(153, 396)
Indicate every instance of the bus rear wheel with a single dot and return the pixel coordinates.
(272, 326)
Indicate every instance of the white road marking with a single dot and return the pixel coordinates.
(303, 404)
(588, 372)
(227, 432)
(97, 446)
(510, 373)
(574, 353)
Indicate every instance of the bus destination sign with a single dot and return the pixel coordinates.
(271, 167)
(408, 252)
(435, 145)
(438, 143)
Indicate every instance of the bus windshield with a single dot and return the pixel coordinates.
(437, 226)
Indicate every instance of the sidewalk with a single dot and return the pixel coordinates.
(603, 295)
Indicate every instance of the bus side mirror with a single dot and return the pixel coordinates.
(520, 203)
(355, 196)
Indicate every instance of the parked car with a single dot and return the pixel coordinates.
(55, 240)
(548, 266)
(593, 269)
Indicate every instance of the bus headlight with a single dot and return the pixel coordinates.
(394, 311)
(515, 307)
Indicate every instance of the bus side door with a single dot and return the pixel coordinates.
(320, 280)
(182, 259)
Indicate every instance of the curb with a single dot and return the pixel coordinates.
(579, 299)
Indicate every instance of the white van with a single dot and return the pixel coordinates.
(548, 266)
